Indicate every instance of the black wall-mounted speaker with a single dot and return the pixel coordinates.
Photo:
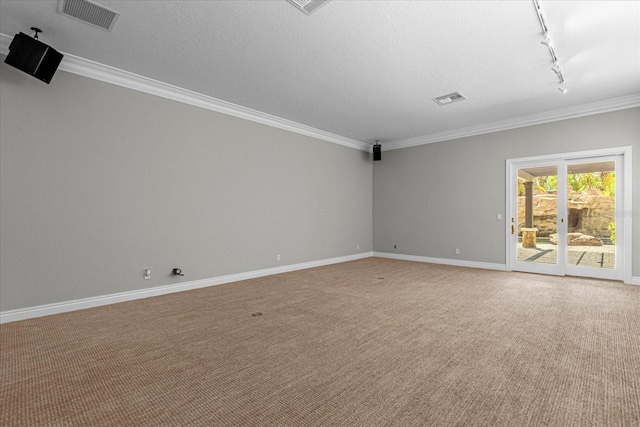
(33, 57)
(377, 152)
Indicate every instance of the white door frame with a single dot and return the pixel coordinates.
(623, 216)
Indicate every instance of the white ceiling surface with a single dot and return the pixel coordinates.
(364, 70)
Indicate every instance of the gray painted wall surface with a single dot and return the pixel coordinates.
(98, 182)
(433, 198)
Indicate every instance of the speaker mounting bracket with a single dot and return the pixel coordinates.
(37, 31)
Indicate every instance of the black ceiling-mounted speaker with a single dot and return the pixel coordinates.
(377, 152)
(33, 57)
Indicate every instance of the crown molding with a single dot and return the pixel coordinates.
(94, 70)
(614, 104)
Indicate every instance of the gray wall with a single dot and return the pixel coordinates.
(430, 199)
(98, 182)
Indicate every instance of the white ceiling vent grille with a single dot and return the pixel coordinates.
(89, 12)
(308, 6)
(450, 98)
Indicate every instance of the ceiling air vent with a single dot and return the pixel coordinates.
(448, 99)
(308, 6)
(89, 12)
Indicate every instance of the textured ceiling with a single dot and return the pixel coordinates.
(364, 70)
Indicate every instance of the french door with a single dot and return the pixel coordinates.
(564, 215)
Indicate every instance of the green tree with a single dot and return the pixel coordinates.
(608, 183)
(612, 229)
(603, 181)
(547, 183)
(579, 182)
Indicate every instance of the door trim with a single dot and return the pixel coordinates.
(624, 217)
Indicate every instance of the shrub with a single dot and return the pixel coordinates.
(612, 229)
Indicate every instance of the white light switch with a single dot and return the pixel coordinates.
(499, 217)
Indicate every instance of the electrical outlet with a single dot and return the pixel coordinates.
(357, 247)
(278, 257)
(457, 251)
(147, 274)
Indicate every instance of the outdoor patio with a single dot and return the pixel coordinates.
(585, 256)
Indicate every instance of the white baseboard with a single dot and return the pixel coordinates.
(80, 304)
(458, 263)
(635, 280)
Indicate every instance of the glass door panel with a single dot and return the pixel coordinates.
(537, 223)
(534, 230)
(591, 215)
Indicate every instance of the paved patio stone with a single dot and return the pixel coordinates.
(586, 256)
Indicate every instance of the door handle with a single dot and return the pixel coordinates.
(512, 229)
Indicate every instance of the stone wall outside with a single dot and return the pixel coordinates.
(588, 213)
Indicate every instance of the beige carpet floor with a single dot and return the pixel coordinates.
(373, 342)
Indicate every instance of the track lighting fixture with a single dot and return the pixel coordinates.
(549, 44)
